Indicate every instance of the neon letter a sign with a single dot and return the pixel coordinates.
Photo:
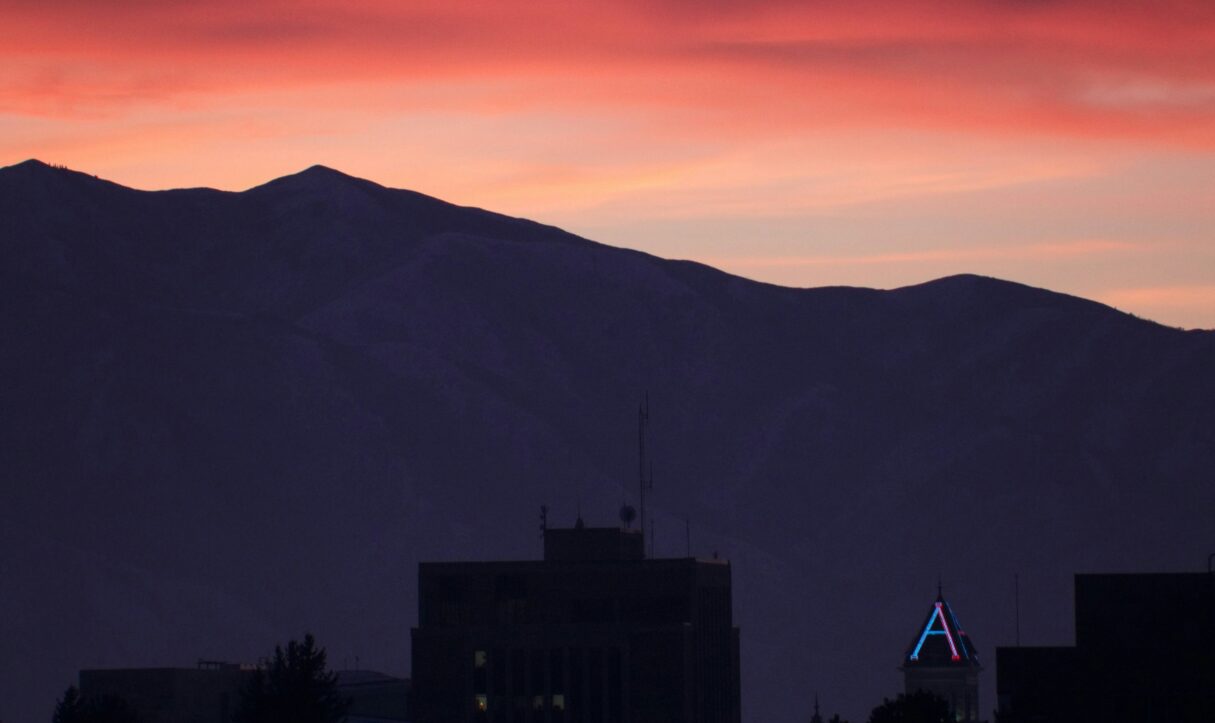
(937, 614)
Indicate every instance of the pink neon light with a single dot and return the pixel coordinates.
(945, 626)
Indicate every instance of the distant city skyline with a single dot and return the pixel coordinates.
(1059, 144)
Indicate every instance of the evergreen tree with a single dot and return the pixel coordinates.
(816, 718)
(918, 707)
(69, 709)
(294, 687)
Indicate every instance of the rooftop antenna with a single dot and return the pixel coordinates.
(1017, 605)
(627, 515)
(643, 463)
(543, 520)
(650, 486)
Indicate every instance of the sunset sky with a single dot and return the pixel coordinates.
(1068, 144)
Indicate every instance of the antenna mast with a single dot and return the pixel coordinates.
(643, 463)
(1017, 605)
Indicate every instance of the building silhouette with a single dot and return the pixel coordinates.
(1145, 651)
(593, 633)
(941, 659)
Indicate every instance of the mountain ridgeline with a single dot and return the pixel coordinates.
(231, 417)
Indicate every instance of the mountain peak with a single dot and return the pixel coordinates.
(968, 280)
(30, 164)
(34, 165)
(319, 170)
(34, 173)
(315, 177)
(973, 291)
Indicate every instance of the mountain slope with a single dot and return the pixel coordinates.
(231, 417)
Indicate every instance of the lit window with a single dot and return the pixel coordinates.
(479, 659)
(482, 702)
(558, 701)
(538, 702)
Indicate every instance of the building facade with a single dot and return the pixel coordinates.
(374, 697)
(593, 633)
(1145, 651)
(942, 660)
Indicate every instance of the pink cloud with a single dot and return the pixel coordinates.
(1061, 67)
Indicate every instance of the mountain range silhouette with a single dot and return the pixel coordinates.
(233, 417)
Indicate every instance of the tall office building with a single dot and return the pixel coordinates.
(593, 633)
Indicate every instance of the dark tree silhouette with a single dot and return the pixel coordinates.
(69, 708)
(75, 708)
(818, 717)
(294, 687)
(918, 707)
